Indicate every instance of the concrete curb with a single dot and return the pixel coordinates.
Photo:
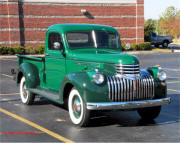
(175, 51)
(129, 52)
(13, 56)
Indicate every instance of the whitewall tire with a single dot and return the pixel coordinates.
(26, 96)
(78, 112)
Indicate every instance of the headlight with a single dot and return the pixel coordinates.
(161, 75)
(98, 78)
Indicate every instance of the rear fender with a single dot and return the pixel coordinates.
(31, 74)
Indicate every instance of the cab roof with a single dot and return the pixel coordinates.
(63, 28)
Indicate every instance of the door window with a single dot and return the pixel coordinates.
(54, 38)
(154, 34)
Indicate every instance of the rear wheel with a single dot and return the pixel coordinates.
(165, 44)
(26, 96)
(149, 113)
(78, 112)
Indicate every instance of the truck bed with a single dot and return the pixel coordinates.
(36, 62)
(30, 59)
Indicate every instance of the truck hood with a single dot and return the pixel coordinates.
(103, 56)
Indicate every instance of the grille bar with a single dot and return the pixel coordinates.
(127, 69)
(124, 89)
(118, 65)
(127, 72)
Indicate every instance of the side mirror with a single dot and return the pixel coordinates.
(56, 45)
(127, 46)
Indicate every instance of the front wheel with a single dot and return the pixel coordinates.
(149, 113)
(78, 112)
(26, 96)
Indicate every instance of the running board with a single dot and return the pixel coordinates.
(46, 93)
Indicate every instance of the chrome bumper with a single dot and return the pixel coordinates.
(128, 105)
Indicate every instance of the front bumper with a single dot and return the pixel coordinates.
(128, 105)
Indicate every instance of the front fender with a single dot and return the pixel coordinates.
(160, 86)
(31, 74)
(89, 91)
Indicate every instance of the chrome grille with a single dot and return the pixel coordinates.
(127, 69)
(131, 89)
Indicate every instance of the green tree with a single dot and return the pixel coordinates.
(170, 13)
(149, 27)
(169, 22)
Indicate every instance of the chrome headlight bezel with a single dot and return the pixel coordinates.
(161, 75)
(98, 78)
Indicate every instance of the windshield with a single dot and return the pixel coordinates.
(92, 39)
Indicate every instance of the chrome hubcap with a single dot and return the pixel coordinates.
(77, 106)
(24, 89)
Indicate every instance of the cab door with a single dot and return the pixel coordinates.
(54, 62)
(154, 37)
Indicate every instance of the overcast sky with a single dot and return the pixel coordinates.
(154, 8)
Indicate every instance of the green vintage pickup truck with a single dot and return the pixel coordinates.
(84, 68)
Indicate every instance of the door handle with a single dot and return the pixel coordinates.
(46, 54)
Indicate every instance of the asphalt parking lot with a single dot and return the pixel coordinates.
(45, 121)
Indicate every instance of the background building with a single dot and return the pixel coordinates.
(24, 22)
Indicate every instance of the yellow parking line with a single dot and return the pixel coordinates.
(53, 134)
(10, 94)
(7, 75)
(174, 90)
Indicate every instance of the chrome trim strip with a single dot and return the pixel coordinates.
(141, 89)
(127, 72)
(148, 87)
(131, 93)
(119, 65)
(128, 89)
(115, 88)
(112, 88)
(144, 88)
(119, 90)
(131, 90)
(122, 89)
(151, 89)
(124, 68)
(125, 89)
(127, 105)
(127, 69)
(138, 89)
(153, 94)
(108, 82)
